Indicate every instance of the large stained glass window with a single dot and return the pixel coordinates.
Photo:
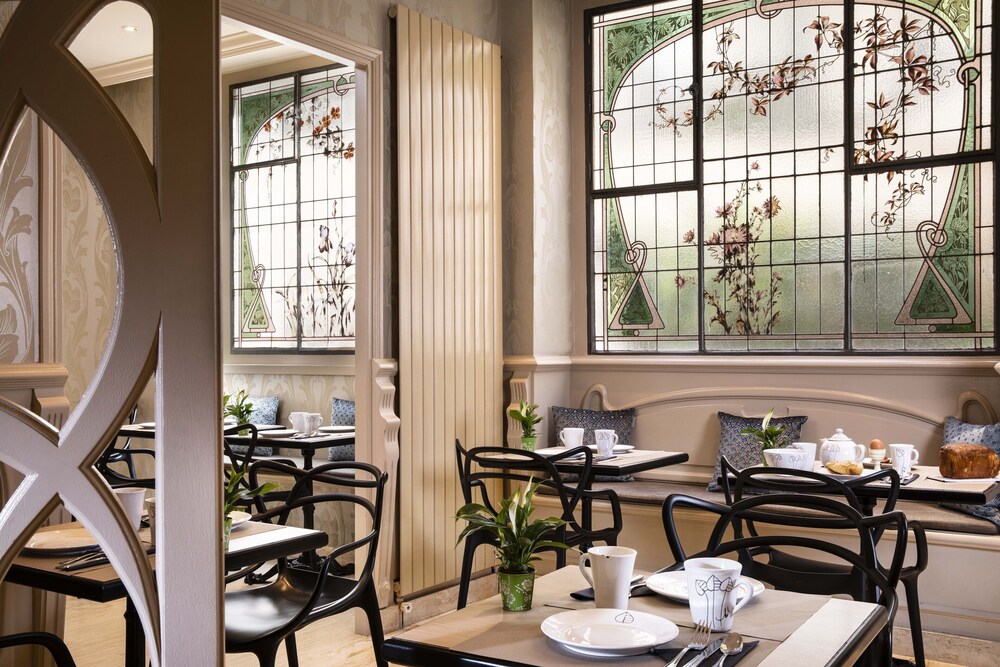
(792, 176)
(293, 188)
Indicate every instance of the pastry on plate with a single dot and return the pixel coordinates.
(845, 467)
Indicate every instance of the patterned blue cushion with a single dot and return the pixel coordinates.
(341, 453)
(341, 413)
(265, 411)
(590, 420)
(956, 430)
(741, 450)
(621, 421)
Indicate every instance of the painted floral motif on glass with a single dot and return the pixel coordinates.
(800, 177)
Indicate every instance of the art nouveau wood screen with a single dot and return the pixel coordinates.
(792, 176)
(162, 215)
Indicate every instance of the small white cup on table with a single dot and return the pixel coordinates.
(571, 437)
(130, 498)
(712, 591)
(606, 439)
(298, 421)
(151, 517)
(313, 421)
(904, 457)
(609, 574)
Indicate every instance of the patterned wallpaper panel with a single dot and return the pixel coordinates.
(308, 393)
(19, 244)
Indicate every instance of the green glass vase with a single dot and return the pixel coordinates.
(227, 529)
(516, 590)
(528, 444)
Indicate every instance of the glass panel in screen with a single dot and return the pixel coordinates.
(294, 212)
(785, 231)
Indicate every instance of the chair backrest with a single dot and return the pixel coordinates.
(53, 643)
(870, 580)
(356, 478)
(479, 466)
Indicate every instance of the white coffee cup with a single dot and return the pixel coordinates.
(809, 447)
(130, 498)
(612, 575)
(298, 421)
(571, 437)
(606, 439)
(904, 457)
(712, 591)
(151, 517)
(313, 421)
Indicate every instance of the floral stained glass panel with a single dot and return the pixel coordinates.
(797, 248)
(294, 212)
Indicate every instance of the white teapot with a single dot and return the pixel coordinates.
(839, 447)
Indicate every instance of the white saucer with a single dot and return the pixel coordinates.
(145, 425)
(239, 517)
(277, 433)
(608, 632)
(62, 542)
(336, 429)
(674, 585)
(619, 449)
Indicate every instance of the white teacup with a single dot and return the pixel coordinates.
(571, 437)
(130, 498)
(605, 439)
(712, 591)
(810, 449)
(904, 457)
(612, 575)
(790, 457)
(312, 423)
(298, 421)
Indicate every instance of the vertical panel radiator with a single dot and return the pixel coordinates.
(450, 336)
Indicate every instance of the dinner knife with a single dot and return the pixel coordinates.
(712, 648)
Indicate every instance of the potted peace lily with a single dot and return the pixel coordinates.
(526, 417)
(234, 497)
(237, 406)
(768, 436)
(517, 538)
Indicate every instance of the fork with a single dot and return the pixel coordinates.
(698, 641)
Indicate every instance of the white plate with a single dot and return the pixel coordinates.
(62, 542)
(674, 585)
(277, 433)
(146, 425)
(239, 517)
(336, 429)
(608, 632)
(619, 449)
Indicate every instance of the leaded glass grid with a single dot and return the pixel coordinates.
(293, 184)
(812, 178)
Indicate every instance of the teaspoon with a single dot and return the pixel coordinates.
(731, 645)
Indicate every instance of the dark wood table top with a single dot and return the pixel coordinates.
(250, 543)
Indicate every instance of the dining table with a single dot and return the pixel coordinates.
(626, 460)
(251, 542)
(926, 484)
(306, 446)
(789, 628)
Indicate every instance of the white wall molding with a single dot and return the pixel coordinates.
(541, 364)
(385, 429)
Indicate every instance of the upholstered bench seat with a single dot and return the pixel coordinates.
(930, 516)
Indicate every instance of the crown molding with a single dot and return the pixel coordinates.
(237, 44)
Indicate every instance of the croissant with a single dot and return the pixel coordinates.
(845, 467)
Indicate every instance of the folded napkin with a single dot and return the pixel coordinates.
(669, 653)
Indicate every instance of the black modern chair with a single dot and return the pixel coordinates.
(259, 619)
(51, 642)
(480, 467)
(118, 464)
(869, 579)
(122, 454)
(735, 484)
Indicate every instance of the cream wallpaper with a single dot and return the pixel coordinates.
(89, 281)
(19, 244)
(310, 393)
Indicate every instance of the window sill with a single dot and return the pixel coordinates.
(797, 364)
(333, 364)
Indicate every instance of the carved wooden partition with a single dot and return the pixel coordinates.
(163, 216)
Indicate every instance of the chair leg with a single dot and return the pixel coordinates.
(560, 558)
(268, 656)
(463, 586)
(291, 650)
(913, 611)
(369, 602)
